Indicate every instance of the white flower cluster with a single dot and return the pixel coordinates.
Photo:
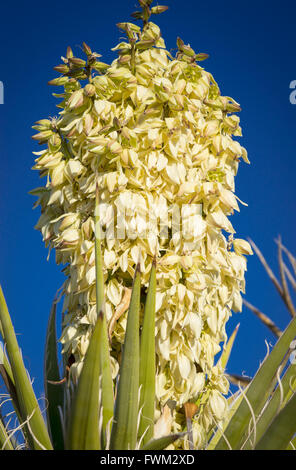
(153, 132)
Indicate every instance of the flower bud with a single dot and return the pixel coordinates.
(54, 142)
(180, 43)
(60, 81)
(201, 56)
(76, 99)
(77, 62)
(89, 90)
(124, 59)
(233, 107)
(138, 15)
(69, 52)
(67, 221)
(61, 68)
(42, 136)
(100, 66)
(242, 247)
(159, 9)
(188, 51)
(86, 49)
(218, 404)
(42, 125)
(129, 26)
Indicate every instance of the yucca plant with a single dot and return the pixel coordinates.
(145, 142)
(85, 415)
(154, 133)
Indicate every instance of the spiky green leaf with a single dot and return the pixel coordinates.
(226, 352)
(147, 363)
(281, 430)
(5, 443)
(257, 392)
(107, 398)
(54, 388)
(29, 408)
(280, 396)
(83, 428)
(124, 429)
(163, 442)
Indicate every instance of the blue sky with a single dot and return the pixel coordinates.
(252, 57)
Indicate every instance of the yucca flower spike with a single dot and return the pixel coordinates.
(155, 135)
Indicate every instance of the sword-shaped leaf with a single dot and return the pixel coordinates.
(29, 408)
(281, 430)
(124, 429)
(257, 392)
(277, 401)
(83, 428)
(226, 352)
(5, 443)
(54, 388)
(147, 362)
(107, 395)
(163, 442)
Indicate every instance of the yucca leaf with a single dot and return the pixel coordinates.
(5, 363)
(147, 362)
(29, 408)
(226, 352)
(124, 429)
(257, 392)
(83, 427)
(281, 430)
(107, 394)
(5, 443)
(107, 398)
(292, 444)
(9, 384)
(54, 389)
(7, 376)
(282, 392)
(162, 442)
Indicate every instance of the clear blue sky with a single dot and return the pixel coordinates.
(252, 57)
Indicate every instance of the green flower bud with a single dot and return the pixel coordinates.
(138, 15)
(60, 81)
(54, 142)
(89, 90)
(188, 51)
(159, 9)
(201, 56)
(69, 52)
(42, 136)
(130, 26)
(42, 125)
(61, 68)
(86, 49)
(100, 66)
(77, 62)
(124, 59)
